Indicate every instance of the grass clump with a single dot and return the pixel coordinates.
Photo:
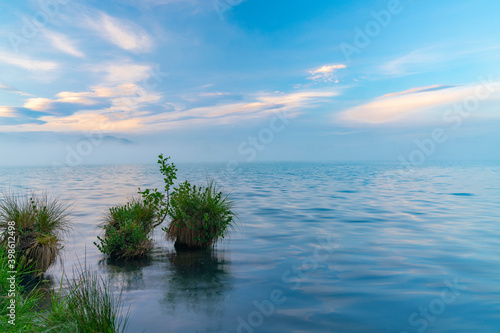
(36, 224)
(88, 306)
(26, 319)
(200, 215)
(127, 230)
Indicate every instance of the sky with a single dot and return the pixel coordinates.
(233, 81)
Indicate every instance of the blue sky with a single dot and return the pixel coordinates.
(249, 80)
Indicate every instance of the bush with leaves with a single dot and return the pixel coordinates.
(127, 230)
(200, 215)
(37, 223)
(157, 199)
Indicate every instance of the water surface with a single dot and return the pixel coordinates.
(320, 248)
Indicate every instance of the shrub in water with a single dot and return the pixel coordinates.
(37, 224)
(127, 230)
(200, 215)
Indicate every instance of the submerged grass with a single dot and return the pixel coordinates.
(37, 223)
(200, 215)
(127, 230)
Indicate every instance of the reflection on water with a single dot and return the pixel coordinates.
(125, 274)
(401, 237)
(199, 281)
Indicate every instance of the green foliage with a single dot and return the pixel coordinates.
(127, 229)
(200, 215)
(88, 306)
(37, 223)
(156, 198)
(27, 319)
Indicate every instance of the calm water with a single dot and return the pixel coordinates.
(320, 248)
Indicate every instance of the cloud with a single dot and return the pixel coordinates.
(38, 104)
(122, 116)
(415, 62)
(7, 112)
(422, 104)
(416, 90)
(124, 34)
(261, 105)
(63, 43)
(124, 71)
(67, 97)
(26, 63)
(325, 73)
(13, 90)
(76, 98)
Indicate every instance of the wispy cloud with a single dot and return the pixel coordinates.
(13, 90)
(417, 105)
(326, 73)
(123, 33)
(38, 104)
(124, 118)
(415, 62)
(63, 43)
(27, 63)
(119, 72)
(7, 112)
(416, 90)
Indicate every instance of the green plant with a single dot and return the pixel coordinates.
(157, 199)
(127, 230)
(85, 305)
(88, 306)
(200, 215)
(37, 224)
(27, 319)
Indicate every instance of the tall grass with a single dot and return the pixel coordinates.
(127, 230)
(39, 223)
(88, 306)
(27, 319)
(200, 215)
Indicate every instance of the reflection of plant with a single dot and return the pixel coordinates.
(126, 230)
(126, 273)
(37, 224)
(199, 279)
(200, 215)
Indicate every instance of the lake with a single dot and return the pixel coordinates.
(349, 247)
